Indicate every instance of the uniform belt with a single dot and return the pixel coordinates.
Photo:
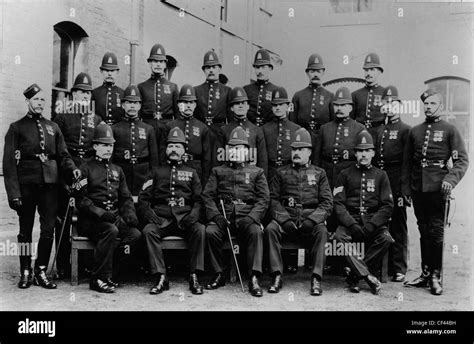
(133, 161)
(107, 205)
(41, 157)
(335, 158)
(78, 152)
(362, 210)
(312, 125)
(213, 120)
(372, 124)
(426, 163)
(174, 202)
(287, 203)
(279, 163)
(239, 201)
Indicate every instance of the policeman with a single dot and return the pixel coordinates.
(368, 99)
(170, 204)
(363, 205)
(389, 157)
(244, 191)
(106, 211)
(301, 200)
(135, 149)
(107, 98)
(279, 132)
(33, 154)
(77, 122)
(312, 105)
(212, 105)
(429, 181)
(334, 149)
(257, 147)
(260, 91)
(197, 153)
(159, 95)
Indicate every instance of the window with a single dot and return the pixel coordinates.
(456, 98)
(69, 59)
(351, 6)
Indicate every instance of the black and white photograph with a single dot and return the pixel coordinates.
(236, 156)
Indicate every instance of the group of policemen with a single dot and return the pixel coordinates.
(209, 161)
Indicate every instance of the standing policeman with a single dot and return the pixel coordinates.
(106, 211)
(256, 140)
(363, 205)
(368, 99)
(429, 180)
(197, 135)
(34, 151)
(279, 133)
(170, 204)
(212, 107)
(159, 95)
(243, 189)
(135, 149)
(260, 91)
(77, 124)
(389, 157)
(301, 200)
(107, 98)
(312, 105)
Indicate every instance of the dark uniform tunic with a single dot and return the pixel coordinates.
(260, 101)
(429, 147)
(299, 193)
(159, 99)
(312, 107)
(135, 151)
(33, 153)
(103, 188)
(334, 149)
(362, 195)
(389, 157)
(367, 103)
(244, 190)
(173, 193)
(257, 145)
(108, 102)
(198, 145)
(279, 134)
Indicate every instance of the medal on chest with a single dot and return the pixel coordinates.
(438, 135)
(268, 95)
(311, 179)
(393, 134)
(196, 131)
(49, 129)
(167, 89)
(247, 178)
(370, 185)
(142, 133)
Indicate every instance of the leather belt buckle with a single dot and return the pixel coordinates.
(259, 121)
(157, 115)
(278, 163)
(43, 157)
(299, 205)
(335, 158)
(172, 202)
(362, 210)
(368, 124)
(209, 121)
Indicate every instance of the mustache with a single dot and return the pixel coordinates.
(315, 78)
(296, 156)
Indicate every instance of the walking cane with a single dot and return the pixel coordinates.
(232, 246)
(446, 224)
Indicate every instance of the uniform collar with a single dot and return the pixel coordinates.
(108, 84)
(371, 86)
(212, 82)
(185, 118)
(262, 82)
(316, 86)
(174, 163)
(130, 120)
(155, 76)
(297, 166)
(394, 121)
(34, 115)
(240, 121)
(236, 165)
(280, 120)
(432, 119)
(343, 120)
(363, 168)
(103, 161)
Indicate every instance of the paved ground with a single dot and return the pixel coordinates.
(459, 293)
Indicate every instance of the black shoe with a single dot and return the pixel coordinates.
(421, 281)
(353, 282)
(26, 279)
(194, 285)
(40, 279)
(112, 283)
(374, 284)
(435, 283)
(398, 277)
(254, 287)
(276, 285)
(160, 285)
(217, 281)
(101, 286)
(316, 289)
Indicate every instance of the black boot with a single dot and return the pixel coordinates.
(276, 285)
(101, 286)
(353, 282)
(254, 287)
(217, 281)
(160, 285)
(435, 283)
(42, 280)
(316, 289)
(194, 285)
(374, 284)
(26, 278)
(421, 281)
